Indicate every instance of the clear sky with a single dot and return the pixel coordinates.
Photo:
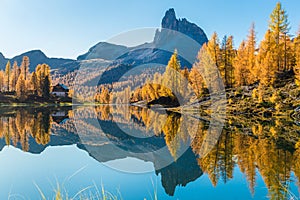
(68, 28)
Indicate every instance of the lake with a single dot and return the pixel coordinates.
(140, 153)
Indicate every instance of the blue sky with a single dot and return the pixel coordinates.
(68, 28)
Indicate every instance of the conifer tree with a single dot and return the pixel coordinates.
(7, 75)
(228, 55)
(34, 82)
(288, 54)
(213, 48)
(14, 76)
(184, 83)
(21, 88)
(43, 79)
(197, 81)
(279, 27)
(241, 70)
(46, 87)
(267, 60)
(208, 70)
(268, 74)
(171, 78)
(25, 67)
(104, 95)
(1, 81)
(297, 59)
(251, 55)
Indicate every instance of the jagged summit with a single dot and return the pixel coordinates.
(157, 51)
(170, 21)
(161, 40)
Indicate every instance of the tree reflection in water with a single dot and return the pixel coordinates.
(270, 149)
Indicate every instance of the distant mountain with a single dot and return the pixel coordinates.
(156, 51)
(122, 58)
(175, 33)
(35, 57)
(169, 21)
(103, 50)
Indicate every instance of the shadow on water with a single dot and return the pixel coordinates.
(270, 149)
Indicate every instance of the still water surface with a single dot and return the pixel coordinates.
(87, 148)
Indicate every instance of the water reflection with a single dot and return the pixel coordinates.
(32, 129)
(270, 149)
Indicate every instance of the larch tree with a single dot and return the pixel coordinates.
(268, 74)
(185, 90)
(245, 69)
(288, 54)
(171, 77)
(1, 81)
(197, 81)
(267, 60)
(279, 27)
(297, 59)
(104, 95)
(228, 55)
(43, 79)
(34, 82)
(21, 88)
(251, 55)
(46, 87)
(241, 70)
(7, 75)
(14, 76)
(213, 48)
(25, 67)
(208, 70)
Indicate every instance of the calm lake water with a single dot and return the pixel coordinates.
(137, 153)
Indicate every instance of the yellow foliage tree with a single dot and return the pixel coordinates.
(1, 81)
(14, 76)
(251, 56)
(267, 60)
(213, 48)
(171, 77)
(241, 70)
(7, 75)
(25, 67)
(268, 75)
(21, 87)
(197, 81)
(226, 66)
(279, 27)
(297, 59)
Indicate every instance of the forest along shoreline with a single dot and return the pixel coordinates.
(18, 85)
(261, 81)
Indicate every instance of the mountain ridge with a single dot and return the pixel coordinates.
(36, 57)
(170, 25)
(125, 58)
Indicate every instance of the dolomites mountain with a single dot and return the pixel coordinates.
(174, 33)
(122, 58)
(154, 52)
(183, 26)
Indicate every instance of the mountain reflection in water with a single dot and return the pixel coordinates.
(270, 149)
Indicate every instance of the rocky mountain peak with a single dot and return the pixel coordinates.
(170, 21)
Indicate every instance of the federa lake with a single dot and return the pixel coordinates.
(133, 153)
